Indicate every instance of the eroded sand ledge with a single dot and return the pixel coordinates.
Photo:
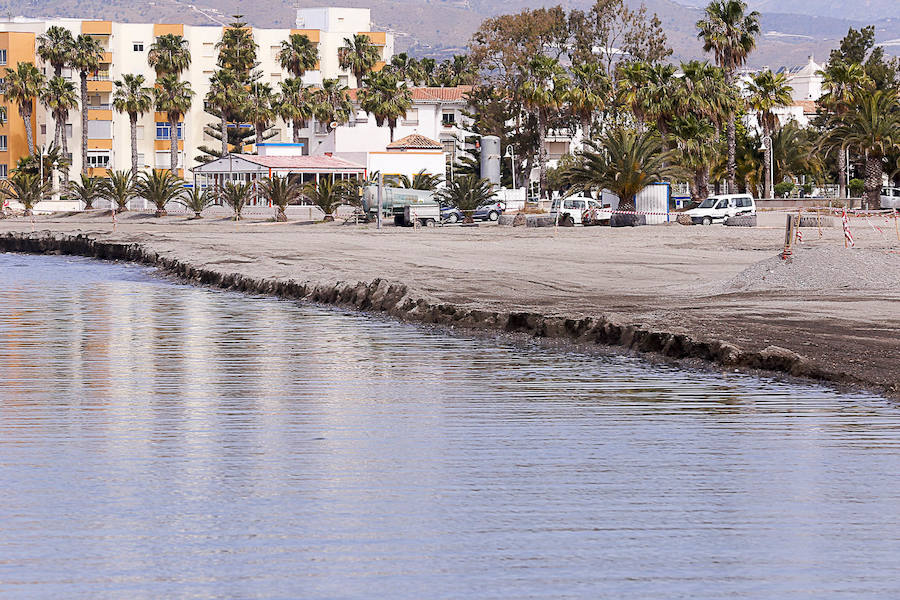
(396, 300)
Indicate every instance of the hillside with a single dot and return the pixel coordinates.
(442, 27)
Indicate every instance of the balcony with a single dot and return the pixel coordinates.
(314, 35)
(378, 66)
(100, 85)
(99, 114)
(99, 144)
(96, 27)
(106, 59)
(377, 38)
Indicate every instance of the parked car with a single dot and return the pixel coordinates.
(488, 212)
(451, 214)
(579, 210)
(719, 208)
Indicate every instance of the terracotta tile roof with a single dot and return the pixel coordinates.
(415, 142)
(313, 163)
(432, 94)
(809, 106)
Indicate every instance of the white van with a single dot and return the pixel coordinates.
(890, 197)
(579, 210)
(720, 208)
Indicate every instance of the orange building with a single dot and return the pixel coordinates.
(15, 47)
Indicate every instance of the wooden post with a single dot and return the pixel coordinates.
(789, 228)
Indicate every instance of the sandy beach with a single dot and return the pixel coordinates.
(836, 307)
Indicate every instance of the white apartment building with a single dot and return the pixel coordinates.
(126, 46)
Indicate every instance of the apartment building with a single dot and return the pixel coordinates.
(126, 46)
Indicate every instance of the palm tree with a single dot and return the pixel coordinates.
(842, 82)
(133, 98)
(55, 47)
(261, 109)
(587, 95)
(23, 87)
(169, 55)
(544, 94)
(768, 91)
(297, 104)
(298, 55)
(237, 49)
(86, 56)
(420, 181)
(873, 126)
(730, 34)
(633, 76)
(159, 186)
(327, 195)
(59, 97)
(695, 139)
(197, 200)
(467, 193)
(358, 55)
(795, 153)
(332, 104)
(227, 97)
(173, 97)
(26, 188)
(236, 195)
(387, 98)
(118, 188)
(280, 192)
(87, 190)
(624, 161)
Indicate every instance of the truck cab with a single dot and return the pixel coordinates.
(579, 210)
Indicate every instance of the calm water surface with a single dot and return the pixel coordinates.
(165, 441)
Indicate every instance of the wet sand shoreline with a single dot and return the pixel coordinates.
(667, 291)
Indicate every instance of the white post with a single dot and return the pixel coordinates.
(55, 178)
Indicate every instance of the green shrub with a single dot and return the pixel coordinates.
(783, 189)
(857, 187)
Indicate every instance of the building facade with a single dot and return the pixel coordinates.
(126, 46)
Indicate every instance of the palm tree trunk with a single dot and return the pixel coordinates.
(259, 136)
(25, 111)
(84, 122)
(224, 124)
(296, 127)
(732, 141)
(134, 153)
(542, 152)
(59, 127)
(874, 173)
(391, 129)
(173, 144)
(842, 173)
(767, 159)
(585, 131)
(64, 144)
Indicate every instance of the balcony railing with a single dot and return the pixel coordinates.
(101, 76)
(99, 107)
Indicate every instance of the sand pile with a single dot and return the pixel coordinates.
(819, 269)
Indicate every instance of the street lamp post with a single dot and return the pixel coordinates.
(512, 165)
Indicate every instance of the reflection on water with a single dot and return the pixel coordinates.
(159, 440)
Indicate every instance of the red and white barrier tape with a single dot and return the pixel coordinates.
(845, 221)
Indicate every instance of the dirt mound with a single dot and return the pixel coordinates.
(819, 269)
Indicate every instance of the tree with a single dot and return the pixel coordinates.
(118, 188)
(237, 49)
(86, 56)
(768, 91)
(298, 55)
(332, 104)
(695, 140)
(624, 161)
(544, 94)
(858, 47)
(87, 190)
(730, 34)
(236, 195)
(196, 200)
(159, 187)
(55, 47)
(358, 55)
(227, 99)
(420, 181)
(169, 55)
(873, 126)
(588, 94)
(261, 110)
(23, 86)
(297, 105)
(387, 98)
(172, 97)
(59, 97)
(467, 193)
(26, 188)
(280, 192)
(133, 99)
(327, 195)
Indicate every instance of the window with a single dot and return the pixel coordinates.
(2, 115)
(208, 49)
(100, 130)
(163, 132)
(139, 131)
(448, 118)
(412, 117)
(43, 130)
(2, 171)
(163, 159)
(137, 46)
(2, 85)
(98, 160)
(3, 147)
(449, 146)
(2, 56)
(141, 162)
(68, 130)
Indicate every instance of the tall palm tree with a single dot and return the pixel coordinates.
(87, 190)
(169, 55)
(24, 85)
(768, 91)
(358, 55)
(657, 98)
(173, 97)
(544, 93)
(280, 192)
(261, 109)
(237, 49)
(59, 97)
(624, 161)
(633, 75)
(25, 187)
(730, 34)
(159, 187)
(297, 104)
(133, 99)
(298, 55)
(118, 188)
(227, 96)
(873, 126)
(587, 95)
(86, 56)
(843, 82)
(332, 104)
(387, 98)
(695, 139)
(55, 47)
